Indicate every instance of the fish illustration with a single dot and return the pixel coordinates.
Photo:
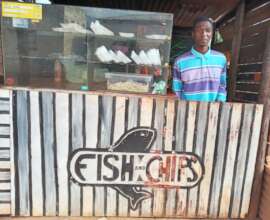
(139, 139)
(84, 162)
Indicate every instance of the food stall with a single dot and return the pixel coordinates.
(88, 130)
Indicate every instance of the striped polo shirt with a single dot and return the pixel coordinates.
(200, 77)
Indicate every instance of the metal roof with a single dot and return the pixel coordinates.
(185, 11)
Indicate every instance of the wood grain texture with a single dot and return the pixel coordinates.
(23, 154)
(242, 160)
(256, 128)
(119, 129)
(208, 158)
(200, 138)
(91, 130)
(158, 194)
(231, 155)
(145, 120)
(225, 118)
(62, 150)
(49, 147)
(219, 134)
(36, 157)
(77, 142)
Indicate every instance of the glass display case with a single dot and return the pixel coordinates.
(82, 48)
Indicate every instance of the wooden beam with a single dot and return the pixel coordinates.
(264, 97)
(236, 49)
(1, 50)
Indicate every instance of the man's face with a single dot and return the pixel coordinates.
(202, 33)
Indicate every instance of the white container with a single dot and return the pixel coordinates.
(129, 82)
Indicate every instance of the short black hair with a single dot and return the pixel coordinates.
(202, 19)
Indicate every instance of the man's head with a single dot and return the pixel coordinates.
(202, 31)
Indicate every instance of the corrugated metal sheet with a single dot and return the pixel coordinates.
(185, 11)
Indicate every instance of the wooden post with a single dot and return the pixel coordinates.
(1, 51)
(264, 98)
(236, 49)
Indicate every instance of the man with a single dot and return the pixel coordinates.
(200, 74)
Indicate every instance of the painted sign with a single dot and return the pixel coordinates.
(21, 10)
(129, 163)
(76, 154)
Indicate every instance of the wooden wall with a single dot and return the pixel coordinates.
(48, 126)
(1, 53)
(256, 22)
(4, 153)
(264, 211)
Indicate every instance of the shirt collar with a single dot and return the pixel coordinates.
(200, 55)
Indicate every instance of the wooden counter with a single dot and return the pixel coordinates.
(100, 154)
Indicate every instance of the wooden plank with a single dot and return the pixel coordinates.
(4, 165)
(4, 105)
(256, 127)
(208, 159)
(106, 121)
(200, 130)
(119, 129)
(12, 153)
(254, 38)
(169, 138)
(250, 67)
(23, 154)
(190, 126)
(133, 112)
(4, 142)
(105, 115)
(258, 15)
(4, 197)
(180, 126)
(242, 96)
(241, 160)
(4, 130)
(251, 87)
(4, 118)
(182, 115)
(230, 161)
(236, 48)
(49, 150)
(4, 93)
(249, 78)
(4, 186)
(169, 125)
(158, 193)
(145, 120)
(191, 201)
(62, 151)
(5, 209)
(252, 53)
(91, 114)
(159, 125)
(4, 154)
(4, 175)
(109, 218)
(220, 158)
(133, 108)
(36, 158)
(77, 142)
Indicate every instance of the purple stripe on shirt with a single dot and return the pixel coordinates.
(214, 52)
(202, 86)
(198, 73)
